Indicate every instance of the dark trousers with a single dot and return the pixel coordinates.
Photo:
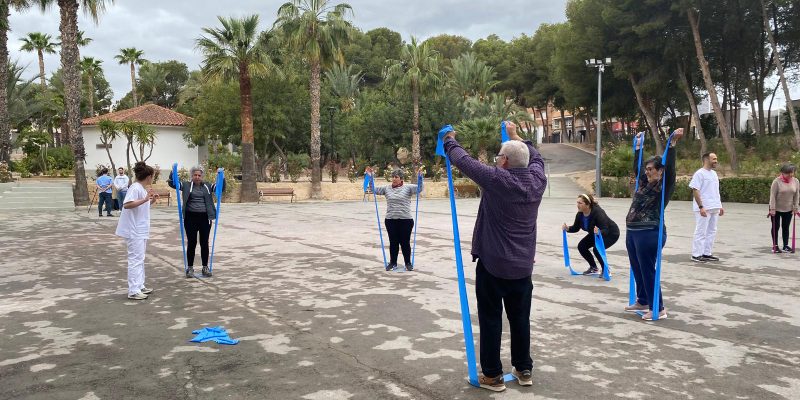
(588, 243)
(196, 223)
(121, 198)
(105, 198)
(399, 236)
(492, 294)
(642, 252)
(782, 221)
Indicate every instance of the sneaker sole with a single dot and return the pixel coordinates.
(659, 318)
(520, 381)
(137, 298)
(494, 388)
(699, 261)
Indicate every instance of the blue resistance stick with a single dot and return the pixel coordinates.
(466, 320)
(600, 245)
(179, 200)
(416, 218)
(657, 284)
(378, 216)
(218, 191)
(632, 282)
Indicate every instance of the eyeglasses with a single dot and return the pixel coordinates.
(497, 157)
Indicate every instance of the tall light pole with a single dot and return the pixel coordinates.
(331, 111)
(600, 64)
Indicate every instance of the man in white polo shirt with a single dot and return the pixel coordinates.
(707, 208)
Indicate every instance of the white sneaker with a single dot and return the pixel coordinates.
(146, 290)
(137, 296)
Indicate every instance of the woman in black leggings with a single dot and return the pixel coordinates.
(784, 201)
(198, 212)
(592, 219)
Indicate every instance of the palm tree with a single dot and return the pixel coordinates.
(472, 77)
(70, 68)
(417, 70)
(81, 39)
(152, 78)
(5, 130)
(40, 43)
(91, 68)
(237, 51)
(319, 39)
(479, 134)
(131, 56)
(344, 85)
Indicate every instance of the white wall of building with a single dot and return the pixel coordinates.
(170, 147)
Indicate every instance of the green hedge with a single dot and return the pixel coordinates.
(735, 190)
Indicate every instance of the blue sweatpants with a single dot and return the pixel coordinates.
(642, 248)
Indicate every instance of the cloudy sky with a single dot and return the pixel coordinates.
(166, 29)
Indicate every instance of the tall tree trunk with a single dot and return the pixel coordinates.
(316, 168)
(648, 113)
(684, 83)
(41, 69)
(722, 122)
(544, 126)
(133, 85)
(70, 59)
(563, 126)
(415, 151)
(5, 129)
(249, 191)
(779, 65)
(91, 94)
(483, 155)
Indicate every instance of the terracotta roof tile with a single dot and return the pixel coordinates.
(150, 114)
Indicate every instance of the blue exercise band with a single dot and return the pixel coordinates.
(600, 246)
(566, 253)
(218, 191)
(657, 283)
(632, 281)
(378, 216)
(416, 218)
(179, 199)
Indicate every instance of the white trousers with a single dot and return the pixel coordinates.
(136, 249)
(705, 231)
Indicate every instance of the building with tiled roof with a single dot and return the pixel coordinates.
(170, 145)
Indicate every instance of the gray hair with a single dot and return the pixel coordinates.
(196, 168)
(398, 173)
(788, 168)
(517, 153)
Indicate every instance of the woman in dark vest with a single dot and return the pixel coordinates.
(592, 219)
(198, 212)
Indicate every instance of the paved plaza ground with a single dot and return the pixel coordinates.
(303, 287)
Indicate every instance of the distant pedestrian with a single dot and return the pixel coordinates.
(707, 207)
(504, 243)
(643, 221)
(104, 185)
(399, 222)
(121, 183)
(198, 212)
(134, 226)
(593, 219)
(784, 198)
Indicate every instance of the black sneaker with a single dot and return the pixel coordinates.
(206, 272)
(700, 259)
(590, 271)
(409, 267)
(709, 257)
(391, 267)
(787, 249)
(190, 272)
(776, 249)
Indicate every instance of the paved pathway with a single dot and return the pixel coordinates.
(302, 286)
(37, 195)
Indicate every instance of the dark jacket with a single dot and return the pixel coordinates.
(207, 195)
(645, 208)
(598, 218)
(505, 230)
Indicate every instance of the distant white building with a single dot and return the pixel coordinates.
(170, 146)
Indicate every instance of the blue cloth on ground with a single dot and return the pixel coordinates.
(216, 333)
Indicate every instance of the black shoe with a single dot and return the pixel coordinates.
(206, 272)
(590, 271)
(100, 215)
(776, 249)
(409, 267)
(391, 267)
(787, 249)
(109, 215)
(709, 257)
(700, 259)
(190, 272)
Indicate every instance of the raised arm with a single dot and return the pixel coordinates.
(669, 172)
(638, 159)
(479, 172)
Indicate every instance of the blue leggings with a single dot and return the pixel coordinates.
(642, 248)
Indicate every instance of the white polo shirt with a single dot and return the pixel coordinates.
(706, 182)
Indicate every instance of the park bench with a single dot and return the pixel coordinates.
(162, 194)
(266, 192)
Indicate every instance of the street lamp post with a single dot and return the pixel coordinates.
(600, 64)
(331, 111)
